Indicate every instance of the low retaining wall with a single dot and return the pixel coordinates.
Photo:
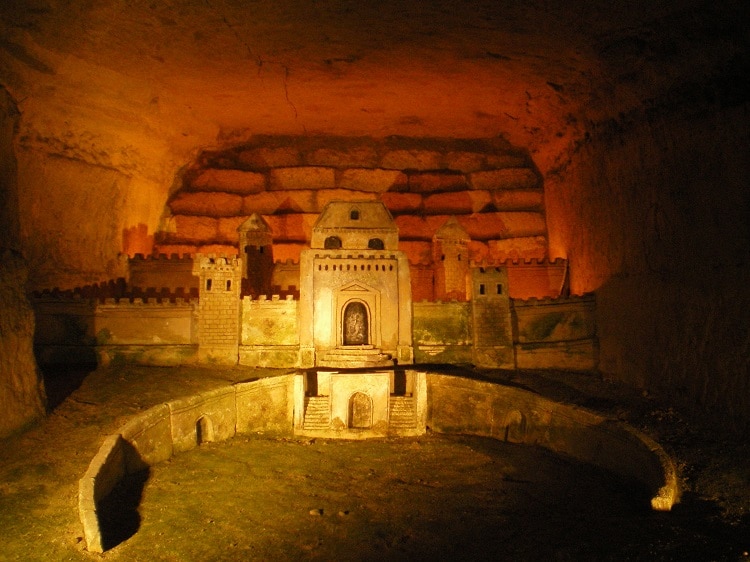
(454, 405)
(262, 406)
(458, 405)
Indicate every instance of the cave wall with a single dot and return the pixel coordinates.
(644, 171)
(653, 211)
(22, 398)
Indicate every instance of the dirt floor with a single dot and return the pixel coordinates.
(428, 498)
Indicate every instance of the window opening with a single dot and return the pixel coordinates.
(332, 243)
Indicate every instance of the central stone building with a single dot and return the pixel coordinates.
(355, 290)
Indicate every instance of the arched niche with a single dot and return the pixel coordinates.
(355, 328)
(204, 430)
(360, 411)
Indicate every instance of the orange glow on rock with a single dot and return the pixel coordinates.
(137, 240)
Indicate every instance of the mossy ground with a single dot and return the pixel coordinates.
(434, 497)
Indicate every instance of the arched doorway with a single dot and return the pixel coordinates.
(356, 324)
(204, 430)
(360, 411)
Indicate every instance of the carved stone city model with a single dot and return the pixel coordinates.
(347, 318)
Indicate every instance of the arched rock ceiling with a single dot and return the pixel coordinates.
(136, 85)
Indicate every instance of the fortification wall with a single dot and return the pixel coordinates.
(556, 333)
(143, 331)
(173, 271)
(442, 332)
(547, 333)
(269, 332)
(148, 332)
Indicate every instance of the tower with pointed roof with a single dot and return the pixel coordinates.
(256, 251)
(450, 258)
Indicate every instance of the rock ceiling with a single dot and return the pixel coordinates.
(190, 72)
(138, 89)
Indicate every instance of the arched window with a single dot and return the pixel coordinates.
(332, 243)
(375, 244)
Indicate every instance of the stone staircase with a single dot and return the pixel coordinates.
(352, 357)
(403, 413)
(317, 413)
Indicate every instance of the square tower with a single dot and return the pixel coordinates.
(218, 308)
(491, 317)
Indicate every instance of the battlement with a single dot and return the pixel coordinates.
(517, 262)
(214, 262)
(588, 298)
(141, 302)
(169, 258)
(261, 300)
(287, 262)
(117, 292)
(487, 270)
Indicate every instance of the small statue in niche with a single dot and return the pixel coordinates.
(355, 324)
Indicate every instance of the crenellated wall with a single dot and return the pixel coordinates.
(159, 271)
(89, 331)
(269, 332)
(547, 333)
(556, 333)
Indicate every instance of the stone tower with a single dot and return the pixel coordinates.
(450, 258)
(256, 250)
(218, 308)
(490, 311)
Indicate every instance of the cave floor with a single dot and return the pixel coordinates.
(428, 498)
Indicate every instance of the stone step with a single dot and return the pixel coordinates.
(337, 364)
(317, 413)
(355, 356)
(403, 413)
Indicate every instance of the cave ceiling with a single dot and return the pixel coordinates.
(137, 85)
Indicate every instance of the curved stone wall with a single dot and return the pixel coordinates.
(455, 405)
